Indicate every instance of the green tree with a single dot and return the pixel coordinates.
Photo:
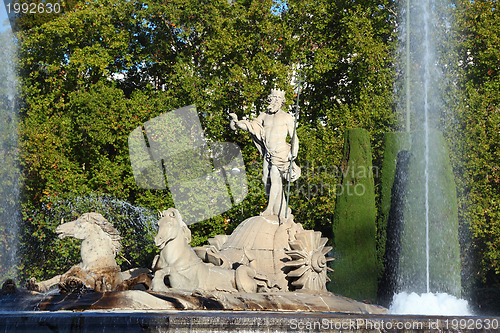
(102, 69)
(476, 122)
(94, 74)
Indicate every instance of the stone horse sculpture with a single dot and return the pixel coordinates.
(98, 269)
(177, 266)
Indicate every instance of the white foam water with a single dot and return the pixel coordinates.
(439, 304)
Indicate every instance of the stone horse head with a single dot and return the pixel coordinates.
(170, 227)
(96, 232)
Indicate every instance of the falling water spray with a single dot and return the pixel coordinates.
(429, 254)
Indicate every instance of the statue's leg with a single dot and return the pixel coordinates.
(76, 279)
(42, 286)
(136, 272)
(158, 282)
(244, 279)
(280, 204)
(275, 193)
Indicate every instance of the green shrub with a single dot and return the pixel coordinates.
(356, 268)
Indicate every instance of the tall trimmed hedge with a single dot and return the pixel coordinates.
(392, 187)
(356, 268)
(393, 144)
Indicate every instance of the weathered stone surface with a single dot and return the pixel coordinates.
(261, 255)
(183, 300)
(442, 212)
(261, 238)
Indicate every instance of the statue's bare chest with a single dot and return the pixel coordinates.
(276, 120)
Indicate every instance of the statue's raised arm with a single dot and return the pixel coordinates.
(254, 127)
(240, 124)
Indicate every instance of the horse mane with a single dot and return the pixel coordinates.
(107, 227)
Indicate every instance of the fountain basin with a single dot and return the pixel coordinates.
(239, 321)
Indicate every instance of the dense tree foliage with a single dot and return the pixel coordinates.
(477, 124)
(100, 69)
(96, 72)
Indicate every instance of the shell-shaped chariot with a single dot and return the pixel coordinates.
(285, 256)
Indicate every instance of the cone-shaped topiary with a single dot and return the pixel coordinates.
(356, 269)
(394, 144)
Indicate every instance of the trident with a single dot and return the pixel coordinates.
(289, 180)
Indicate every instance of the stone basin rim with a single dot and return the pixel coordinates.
(308, 314)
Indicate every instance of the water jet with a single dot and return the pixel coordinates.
(428, 250)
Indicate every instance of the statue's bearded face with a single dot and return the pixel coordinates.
(276, 100)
